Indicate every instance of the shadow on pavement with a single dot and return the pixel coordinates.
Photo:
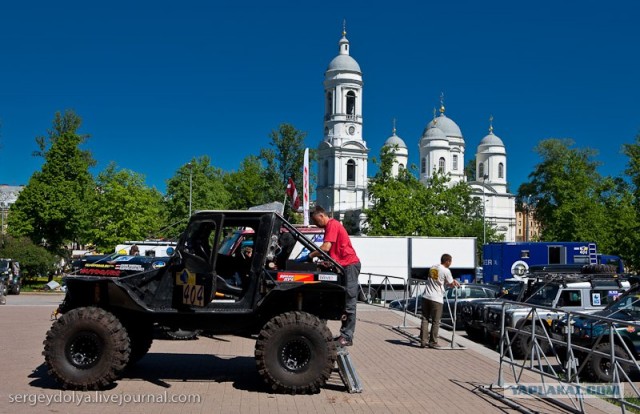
(163, 368)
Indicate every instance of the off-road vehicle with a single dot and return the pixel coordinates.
(593, 337)
(11, 276)
(106, 321)
(571, 292)
(474, 315)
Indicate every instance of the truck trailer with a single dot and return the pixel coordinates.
(508, 259)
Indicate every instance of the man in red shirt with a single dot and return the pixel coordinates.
(338, 245)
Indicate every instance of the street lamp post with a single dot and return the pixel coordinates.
(190, 184)
(484, 211)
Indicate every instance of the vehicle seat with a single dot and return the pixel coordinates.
(223, 287)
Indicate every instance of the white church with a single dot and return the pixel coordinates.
(343, 153)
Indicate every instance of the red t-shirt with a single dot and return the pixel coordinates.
(341, 249)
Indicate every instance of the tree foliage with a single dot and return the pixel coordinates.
(34, 260)
(568, 193)
(53, 207)
(403, 206)
(208, 192)
(124, 208)
(249, 185)
(284, 159)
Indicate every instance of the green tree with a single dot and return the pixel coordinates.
(403, 206)
(626, 219)
(622, 223)
(568, 194)
(249, 185)
(124, 208)
(34, 260)
(285, 159)
(208, 192)
(53, 207)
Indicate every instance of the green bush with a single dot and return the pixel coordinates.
(34, 260)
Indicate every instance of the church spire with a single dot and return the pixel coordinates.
(442, 103)
(491, 124)
(344, 43)
(394, 127)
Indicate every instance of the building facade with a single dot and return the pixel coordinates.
(343, 153)
(8, 196)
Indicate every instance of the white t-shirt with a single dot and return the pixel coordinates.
(435, 286)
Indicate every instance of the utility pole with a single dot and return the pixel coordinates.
(190, 165)
(484, 211)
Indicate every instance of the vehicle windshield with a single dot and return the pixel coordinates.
(543, 294)
(4, 265)
(511, 289)
(229, 241)
(629, 302)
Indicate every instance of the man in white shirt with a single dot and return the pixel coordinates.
(432, 300)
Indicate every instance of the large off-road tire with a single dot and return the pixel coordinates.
(86, 348)
(180, 334)
(599, 367)
(141, 338)
(295, 353)
(521, 346)
(475, 334)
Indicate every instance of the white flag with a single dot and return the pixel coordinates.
(305, 187)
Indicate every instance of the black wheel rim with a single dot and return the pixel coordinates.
(84, 349)
(295, 355)
(605, 366)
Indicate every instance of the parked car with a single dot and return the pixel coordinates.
(11, 276)
(571, 292)
(465, 293)
(594, 333)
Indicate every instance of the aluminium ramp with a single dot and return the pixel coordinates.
(348, 372)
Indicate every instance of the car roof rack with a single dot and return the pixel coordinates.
(593, 278)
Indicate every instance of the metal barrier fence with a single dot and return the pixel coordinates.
(372, 292)
(562, 353)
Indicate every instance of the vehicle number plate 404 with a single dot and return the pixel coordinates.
(193, 295)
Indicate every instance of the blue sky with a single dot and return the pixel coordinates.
(159, 82)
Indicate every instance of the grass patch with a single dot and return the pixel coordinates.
(37, 284)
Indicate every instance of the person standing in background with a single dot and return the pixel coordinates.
(432, 300)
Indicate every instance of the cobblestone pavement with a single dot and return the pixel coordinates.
(218, 374)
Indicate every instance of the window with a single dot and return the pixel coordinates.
(570, 298)
(603, 297)
(455, 162)
(441, 165)
(501, 170)
(351, 172)
(329, 106)
(400, 166)
(423, 166)
(481, 170)
(351, 103)
(325, 172)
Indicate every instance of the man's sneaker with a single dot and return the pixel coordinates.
(342, 341)
(433, 345)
